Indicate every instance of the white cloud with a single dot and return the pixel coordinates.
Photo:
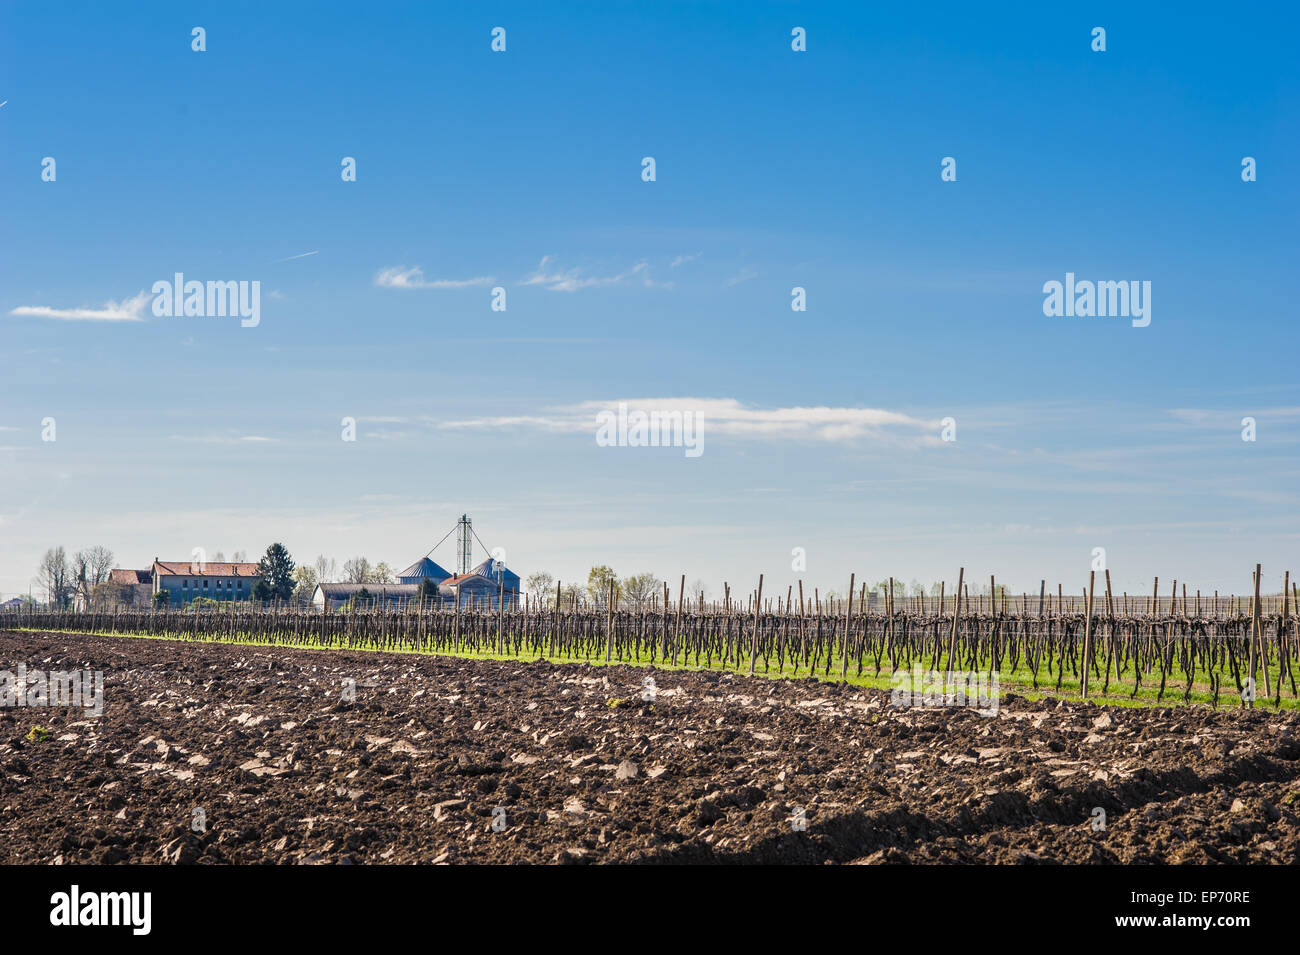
(683, 259)
(727, 416)
(1229, 419)
(127, 310)
(744, 275)
(402, 277)
(223, 438)
(573, 279)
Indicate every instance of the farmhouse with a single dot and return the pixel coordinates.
(184, 581)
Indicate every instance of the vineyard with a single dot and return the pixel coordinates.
(1095, 644)
(218, 753)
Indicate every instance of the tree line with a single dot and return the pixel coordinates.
(87, 574)
(85, 577)
(638, 591)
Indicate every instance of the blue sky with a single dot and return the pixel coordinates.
(775, 169)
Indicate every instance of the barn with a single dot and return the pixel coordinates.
(482, 586)
(340, 596)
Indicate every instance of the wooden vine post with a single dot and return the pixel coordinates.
(952, 636)
(501, 614)
(848, 615)
(677, 636)
(1257, 644)
(1087, 636)
(609, 622)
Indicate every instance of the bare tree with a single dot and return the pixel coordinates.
(326, 569)
(639, 588)
(540, 584)
(54, 577)
(100, 563)
(90, 568)
(356, 571)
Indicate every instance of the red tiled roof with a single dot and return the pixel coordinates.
(125, 577)
(461, 578)
(474, 578)
(185, 568)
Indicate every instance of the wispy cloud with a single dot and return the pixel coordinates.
(1219, 419)
(728, 416)
(223, 438)
(547, 276)
(300, 255)
(413, 278)
(127, 310)
(683, 259)
(744, 275)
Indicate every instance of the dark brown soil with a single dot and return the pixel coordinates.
(577, 768)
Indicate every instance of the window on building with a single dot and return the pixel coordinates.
(185, 583)
(205, 585)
